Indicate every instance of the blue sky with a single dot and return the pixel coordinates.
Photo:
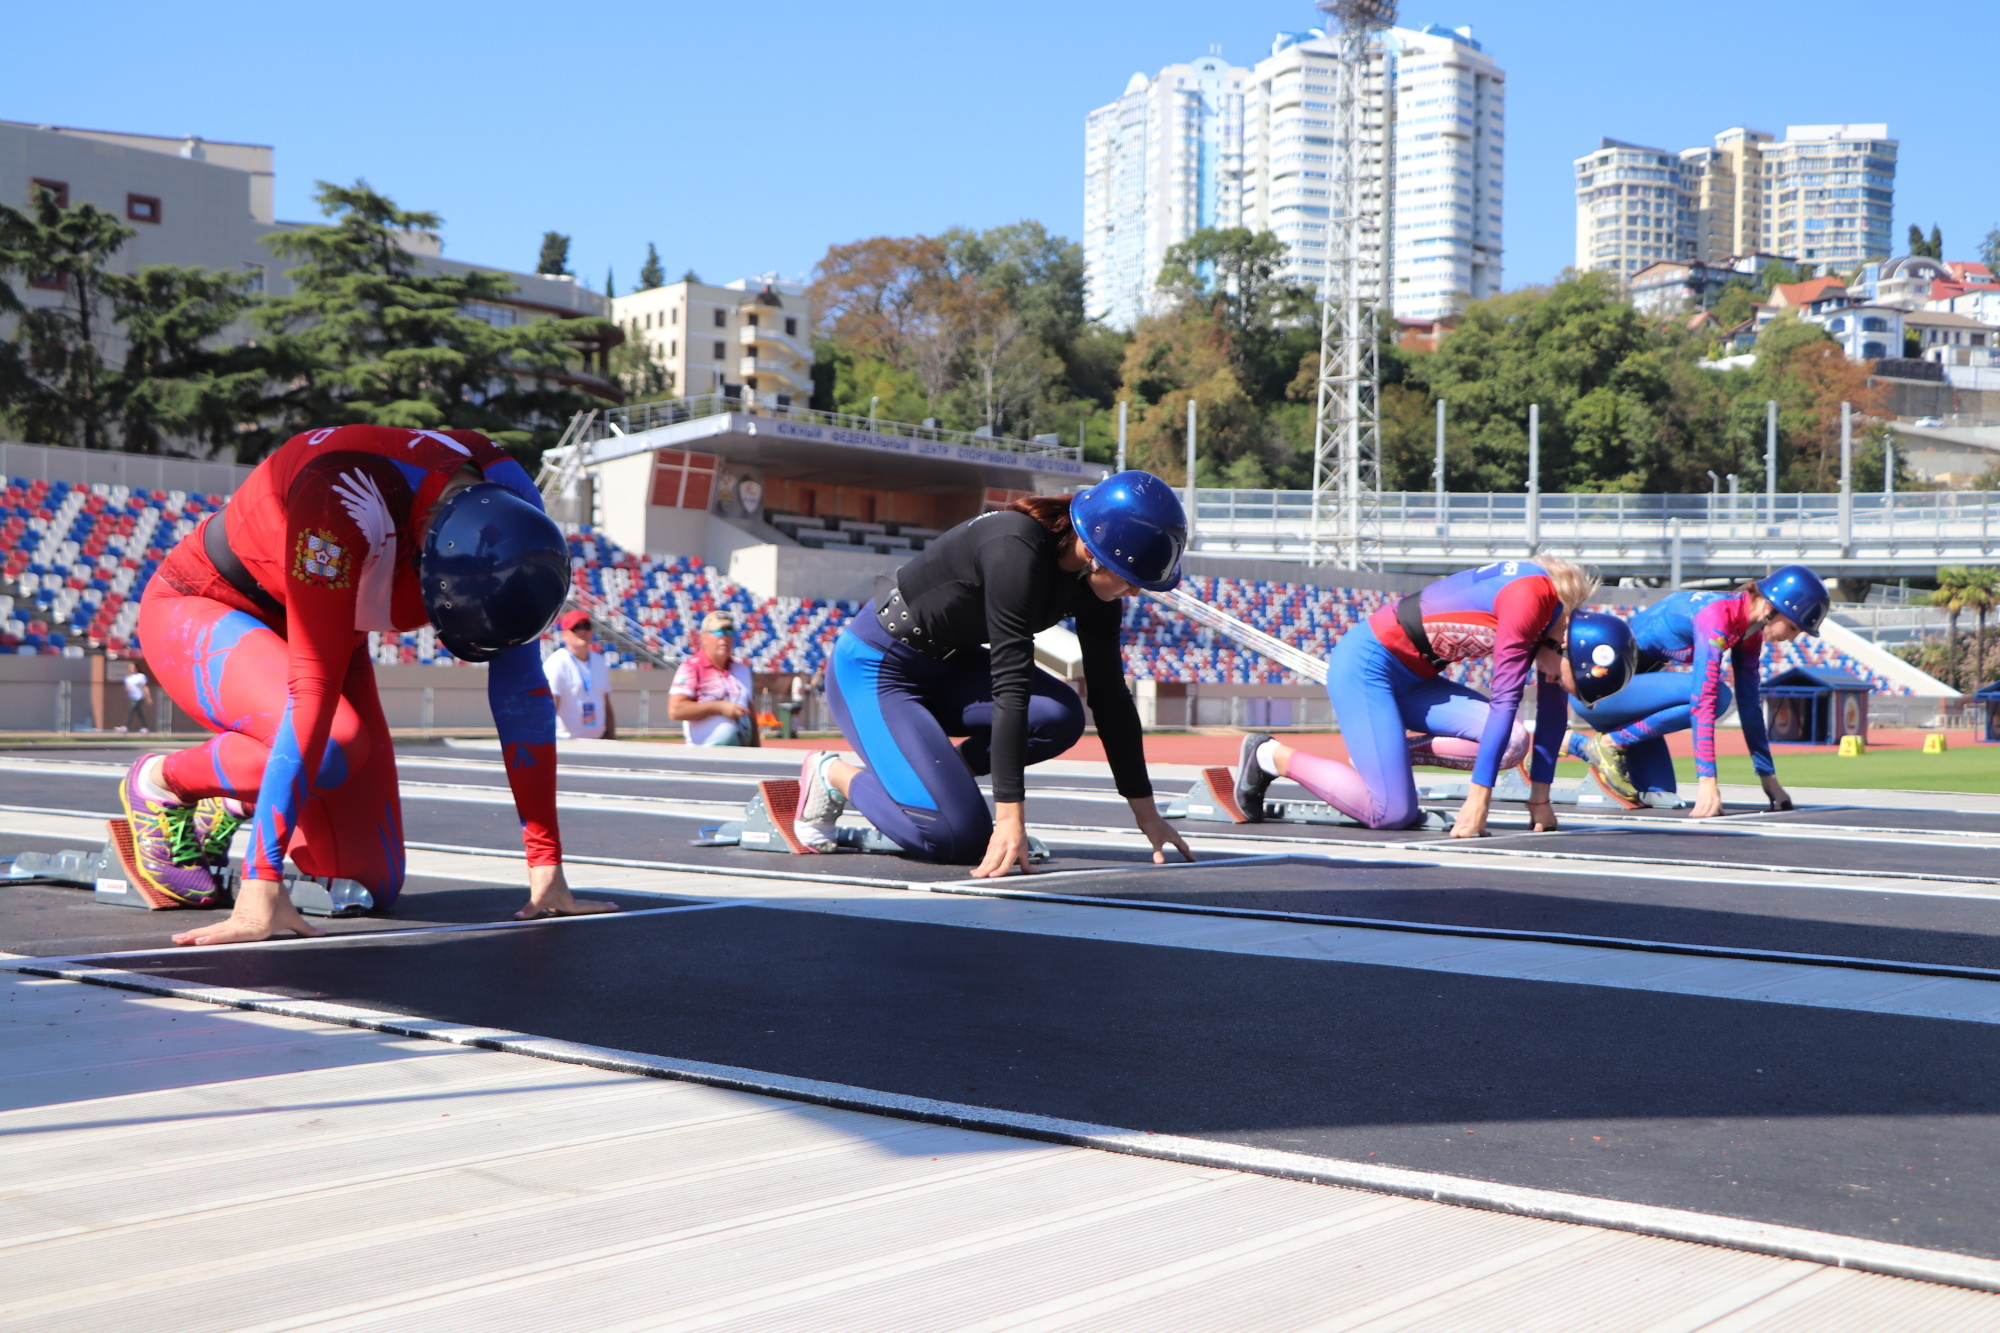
(746, 137)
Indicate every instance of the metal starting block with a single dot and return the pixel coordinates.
(114, 883)
(766, 826)
(1213, 798)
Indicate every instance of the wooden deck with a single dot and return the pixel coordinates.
(171, 1165)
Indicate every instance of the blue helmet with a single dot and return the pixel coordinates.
(1132, 523)
(1602, 654)
(495, 570)
(1798, 594)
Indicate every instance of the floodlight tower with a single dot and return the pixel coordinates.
(1346, 444)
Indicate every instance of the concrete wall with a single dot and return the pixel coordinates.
(800, 571)
(91, 466)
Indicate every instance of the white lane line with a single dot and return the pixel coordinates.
(1673, 1223)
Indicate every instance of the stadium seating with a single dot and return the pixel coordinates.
(78, 557)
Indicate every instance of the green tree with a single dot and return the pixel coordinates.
(179, 380)
(367, 336)
(690, 276)
(1935, 247)
(1917, 244)
(651, 275)
(62, 393)
(1735, 303)
(1979, 594)
(554, 258)
(1959, 589)
(1989, 250)
(1239, 276)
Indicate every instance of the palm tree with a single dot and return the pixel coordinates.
(1981, 596)
(1953, 582)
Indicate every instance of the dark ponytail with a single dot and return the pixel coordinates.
(1051, 511)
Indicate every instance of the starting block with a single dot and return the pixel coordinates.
(1213, 799)
(1513, 787)
(114, 883)
(767, 820)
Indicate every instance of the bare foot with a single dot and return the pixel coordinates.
(549, 895)
(263, 909)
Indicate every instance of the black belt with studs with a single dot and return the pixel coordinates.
(900, 624)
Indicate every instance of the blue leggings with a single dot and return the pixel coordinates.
(1378, 701)
(1640, 717)
(899, 710)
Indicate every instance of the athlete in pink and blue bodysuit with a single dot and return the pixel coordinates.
(1384, 684)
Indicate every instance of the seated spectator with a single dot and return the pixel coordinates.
(710, 696)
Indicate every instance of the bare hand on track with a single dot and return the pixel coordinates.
(549, 895)
(1008, 846)
(1471, 821)
(263, 909)
(1157, 830)
(1775, 792)
(1708, 801)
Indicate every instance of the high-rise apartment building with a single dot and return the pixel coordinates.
(1821, 196)
(1433, 113)
(1633, 208)
(1160, 163)
(749, 338)
(1832, 189)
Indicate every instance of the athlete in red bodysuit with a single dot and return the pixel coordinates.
(257, 624)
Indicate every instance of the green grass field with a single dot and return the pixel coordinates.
(1969, 767)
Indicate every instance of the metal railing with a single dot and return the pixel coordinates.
(1421, 531)
(633, 418)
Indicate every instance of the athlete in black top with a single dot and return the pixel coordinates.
(951, 653)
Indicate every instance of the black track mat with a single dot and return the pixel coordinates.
(1861, 1124)
(1882, 856)
(1794, 918)
(48, 920)
(1944, 821)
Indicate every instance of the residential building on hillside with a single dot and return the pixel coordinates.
(1159, 164)
(203, 202)
(1864, 332)
(1821, 196)
(1669, 286)
(1633, 208)
(1952, 339)
(750, 338)
(1254, 148)
(1726, 182)
(1833, 189)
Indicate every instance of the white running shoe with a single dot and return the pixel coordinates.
(820, 803)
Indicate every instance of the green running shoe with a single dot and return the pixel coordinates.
(214, 827)
(1607, 765)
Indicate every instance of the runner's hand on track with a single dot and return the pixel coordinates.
(1471, 821)
(1708, 802)
(1008, 846)
(1775, 791)
(1157, 830)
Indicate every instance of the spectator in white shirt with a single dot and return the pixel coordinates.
(138, 694)
(710, 696)
(580, 682)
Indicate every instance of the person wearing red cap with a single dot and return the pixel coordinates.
(580, 682)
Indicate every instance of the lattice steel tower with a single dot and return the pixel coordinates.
(1346, 436)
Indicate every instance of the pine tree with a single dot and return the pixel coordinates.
(64, 393)
(651, 275)
(1936, 248)
(555, 254)
(368, 336)
(1916, 239)
(610, 283)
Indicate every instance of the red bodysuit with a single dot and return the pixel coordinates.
(327, 526)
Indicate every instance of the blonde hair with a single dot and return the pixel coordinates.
(1574, 584)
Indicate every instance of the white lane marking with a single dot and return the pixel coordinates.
(1674, 1223)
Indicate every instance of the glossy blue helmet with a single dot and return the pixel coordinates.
(1798, 594)
(1602, 654)
(1132, 524)
(495, 571)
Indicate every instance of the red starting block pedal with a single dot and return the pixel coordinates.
(121, 841)
(780, 797)
(1221, 785)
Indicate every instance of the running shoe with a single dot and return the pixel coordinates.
(166, 851)
(1607, 765)
(215, 827)
(820, 803)
(1251, 779)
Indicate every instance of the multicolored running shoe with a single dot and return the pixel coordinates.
(167, 853)
(214, 828)
(1607, 765)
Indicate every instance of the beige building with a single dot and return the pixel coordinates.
(751, 338)
(1731, 216)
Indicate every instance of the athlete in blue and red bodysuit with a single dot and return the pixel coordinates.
(1385, 680)
(257, 626)
(1701, 630)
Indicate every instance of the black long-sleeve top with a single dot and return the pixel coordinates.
(995, 580)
